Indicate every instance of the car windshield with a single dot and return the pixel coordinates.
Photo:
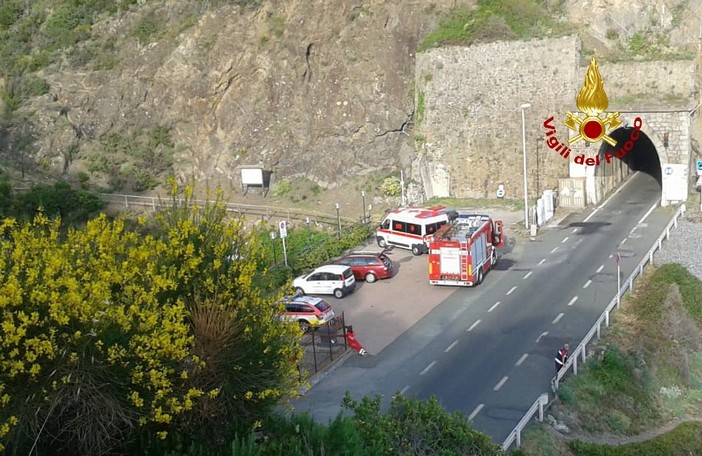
(347, 273)
(322, 306)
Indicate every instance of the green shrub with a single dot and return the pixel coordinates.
(146, 28)
(390, 186)
(281, 188)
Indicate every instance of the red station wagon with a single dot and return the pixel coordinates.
(368, 266)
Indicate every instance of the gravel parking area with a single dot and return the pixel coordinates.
(683, 247)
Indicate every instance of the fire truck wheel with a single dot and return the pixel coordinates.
(480, 277)
(338, 294)
(416, 250)
(381, 242)
(494, 257)
(370, 277)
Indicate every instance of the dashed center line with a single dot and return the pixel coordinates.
(521, 360)
(543, 334)
(404, 390)
(623, 241)
(542, 261)
(426, 369)
(511, 290)
(554, 249)
(575, 230)
(572, 301)
(587, 284)
(473, 326)
(494, 306)
(500, 383)
(451, 346)
(558, 318)
(475, 412)
(600, 268)
(564, 240)
(527, 275)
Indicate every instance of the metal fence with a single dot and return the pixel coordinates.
(322, 344)
(514, 437)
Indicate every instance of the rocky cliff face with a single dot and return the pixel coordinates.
(317, 89)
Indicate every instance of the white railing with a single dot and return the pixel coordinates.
(581, 350)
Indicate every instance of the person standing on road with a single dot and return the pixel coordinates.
(561, 357)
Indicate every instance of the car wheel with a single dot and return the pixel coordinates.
(304, 326)
(494, 257)
(370, 277)
(381, 242)
(416, 250)
(480, 277)
(338, 293)
(299, 290)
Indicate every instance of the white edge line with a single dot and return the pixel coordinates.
(554, 249)
(475, 412)
(564, 240)
(572, 301)
(558, 318)
(600, 268)
(521, 360)
(500, 383)
(404, 390)
(426, 369)
(473, 326)
(593, 213)
(648, 213)
(622, 243)
(493, 306)
(511, 290)
(451, 346)
(587, 284)
(618, 190)
(543, 334)
(542, 261)
(527, 275)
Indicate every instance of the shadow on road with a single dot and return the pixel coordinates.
(504, 264)
(588, 227)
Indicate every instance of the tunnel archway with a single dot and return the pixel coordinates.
(642, 156)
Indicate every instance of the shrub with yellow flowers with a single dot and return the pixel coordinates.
(106, 333)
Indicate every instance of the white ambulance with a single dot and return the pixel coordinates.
(411, 227)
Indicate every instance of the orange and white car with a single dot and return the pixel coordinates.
(307, 311)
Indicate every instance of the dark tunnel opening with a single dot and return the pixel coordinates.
(643, 156)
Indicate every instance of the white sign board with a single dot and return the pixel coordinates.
(252, 176)
(283, 227)
(674, 182)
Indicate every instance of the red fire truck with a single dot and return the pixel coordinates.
(462, 251)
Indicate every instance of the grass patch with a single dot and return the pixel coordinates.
(494, 20)
(684, 440)
(461, 203)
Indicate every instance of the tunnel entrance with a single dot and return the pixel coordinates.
(643, 157)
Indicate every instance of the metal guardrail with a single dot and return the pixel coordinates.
(581, 350)
(268, 212)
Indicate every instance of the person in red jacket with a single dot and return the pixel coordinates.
(561, 357)
(353, 343)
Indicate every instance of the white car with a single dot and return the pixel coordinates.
(328, 279)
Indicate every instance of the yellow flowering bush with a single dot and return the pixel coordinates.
(105, 331)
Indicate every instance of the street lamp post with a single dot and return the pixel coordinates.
(363, 197)
(338, 221)
(524, 162)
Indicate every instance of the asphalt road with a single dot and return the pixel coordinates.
(488, 351)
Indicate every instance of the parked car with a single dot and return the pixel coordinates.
(307, 311)
(333, 279)
(368, 266)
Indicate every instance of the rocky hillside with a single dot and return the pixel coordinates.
(127, 92)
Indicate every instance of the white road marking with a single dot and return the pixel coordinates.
(564, 240)
(587, 284)
(404, 390)
(448, 349)
(572, 301)
(426, 369)
(554, 249)
(593, 213)
(575, 230)
(600, 268)
(521, 360)
(527, 275)
(511, 290)
(475, 412)
(649, 211)
(542, 261)
(557, 319)
(623, 241)
(543, 334)
(618, 190)
(500, 383)
(473, 326)
(493, 306)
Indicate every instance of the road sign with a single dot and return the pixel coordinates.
(699, 167)
(283, 227)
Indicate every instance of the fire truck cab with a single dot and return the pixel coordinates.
(463, 251)
(410, 227)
